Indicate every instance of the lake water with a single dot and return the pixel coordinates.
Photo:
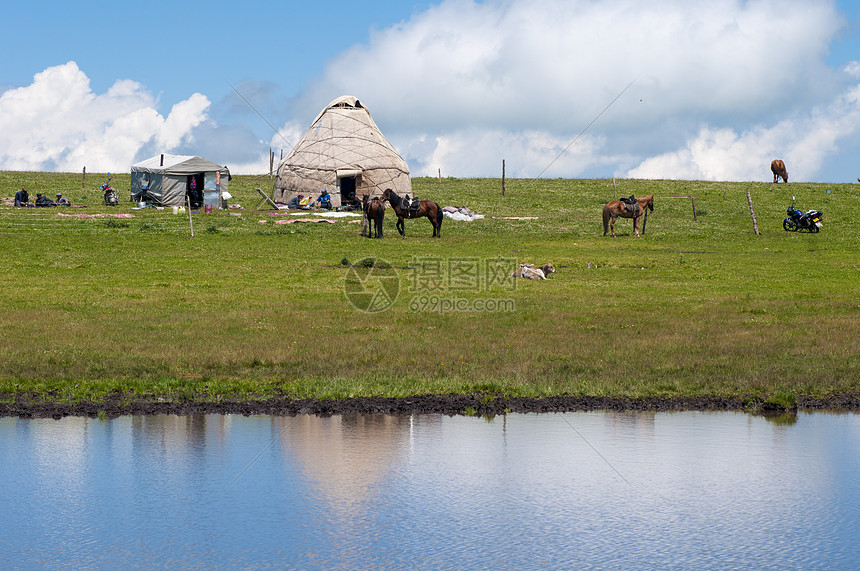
(578, 490)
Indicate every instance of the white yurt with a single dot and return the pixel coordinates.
(345, 153)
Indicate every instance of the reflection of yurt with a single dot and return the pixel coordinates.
(346, 455)
(345, 153)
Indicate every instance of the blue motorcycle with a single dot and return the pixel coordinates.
(797, 220)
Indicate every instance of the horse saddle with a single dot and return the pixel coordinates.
(410, 204)
(630, 203)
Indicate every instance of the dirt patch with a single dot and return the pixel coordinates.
(35, 406)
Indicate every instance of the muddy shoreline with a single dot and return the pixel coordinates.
(36, 406)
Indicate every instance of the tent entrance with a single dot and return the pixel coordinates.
(194, 189)
(347, 186)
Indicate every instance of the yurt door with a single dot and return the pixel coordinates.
(347, 188)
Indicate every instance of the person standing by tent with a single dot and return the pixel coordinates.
(144, 188)
(192, 192)
(22, 198)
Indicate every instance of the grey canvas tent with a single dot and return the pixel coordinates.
(165, 180)
(345, 153)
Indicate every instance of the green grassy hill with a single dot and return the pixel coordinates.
(249, 307)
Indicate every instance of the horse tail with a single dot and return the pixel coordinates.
(439, 214)
(380, 213)
(606, 217)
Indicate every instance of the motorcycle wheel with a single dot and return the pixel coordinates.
(813, 228)
(789, 225)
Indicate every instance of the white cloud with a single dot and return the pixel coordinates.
(556, 63)
(720, 88)
(802, 141)
(479, 152)
(58, 123)
(465, 84)
(852, 68)
(184, 116)
(287, 136)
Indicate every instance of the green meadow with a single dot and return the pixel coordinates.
(247, 308)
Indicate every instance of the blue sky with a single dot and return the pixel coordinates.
(719, 88)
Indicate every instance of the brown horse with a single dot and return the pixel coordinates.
(777, 167)
(617, 209)
(374, 212)
(427, 208)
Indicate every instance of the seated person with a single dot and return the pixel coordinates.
(22, 198)
(351, 202)
(325, 200)
(62, 200)
(298, 201)
(43, 201)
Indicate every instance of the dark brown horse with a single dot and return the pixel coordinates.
(427, 208)
(374, 212)
(616, 209)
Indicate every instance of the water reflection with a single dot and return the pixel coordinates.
(782, 418)
(344, 457)
(573, 490)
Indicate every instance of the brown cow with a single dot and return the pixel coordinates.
(778, 169)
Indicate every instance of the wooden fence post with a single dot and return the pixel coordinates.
(752, 213)
(84, 183)
(440, 176)
(503, 177)
(693, 200)
(190, 222)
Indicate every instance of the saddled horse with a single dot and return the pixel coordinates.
(616, 209)
(427, 208)
(374, 212)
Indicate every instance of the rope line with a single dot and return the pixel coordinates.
(564, 150)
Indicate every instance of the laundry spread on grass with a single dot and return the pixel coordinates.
(326, 214)
(460, 214)
(95, 215)
(304, 220)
